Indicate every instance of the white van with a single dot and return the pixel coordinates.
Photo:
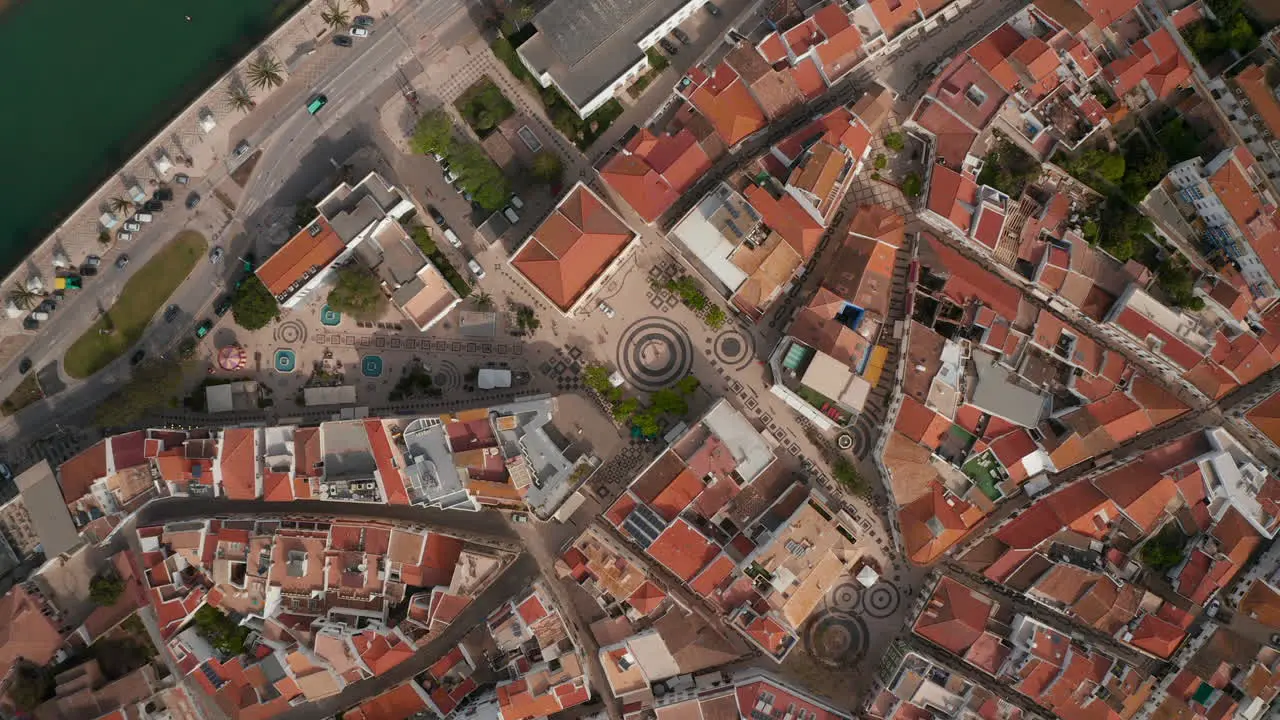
(452, 237)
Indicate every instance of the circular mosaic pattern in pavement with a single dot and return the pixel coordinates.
(844, 441)
(733, 348)
(654, 353)
(447, 377)
(291, 331)
(845, 597)
(860, 435)
(881, 600)
(836, 640)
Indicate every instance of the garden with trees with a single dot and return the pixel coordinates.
(358, 293)
(253, 307)
(476, 171)
(484, 106)
(644, 420)
(422, 238)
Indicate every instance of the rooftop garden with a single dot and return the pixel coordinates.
(223, 633)
(1009, 169)
(1164, 551)
(985, 472)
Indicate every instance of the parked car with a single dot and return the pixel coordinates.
(711, 8)
(204, 328)
(137, 357)
(452, 237)
(124, 235)
(181, 179)
(122, 262)
(511, 215)
(30, 323)
(241, 148)
(163, 194)
(516, 202)
(215, 257)
(436, 217)
(153, 206)
(193, 200)
(171, 312)
(519, 518)
(342, 40)
(475, 268)
(24, 365)
(669, 47)
(682, 36)
(364, 21)
(133, 226)
(449, 175)
(608, 311)
(144, 217)
(357, 31)
(223, 305)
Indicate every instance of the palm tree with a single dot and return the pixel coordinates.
(483, 300)
(120, 205)
(363, 5)
(23, 298)
(335, 16)
(240, 99)
(265, 73)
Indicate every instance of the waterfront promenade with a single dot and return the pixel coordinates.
(303, 47)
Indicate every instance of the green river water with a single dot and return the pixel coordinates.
(84, 83)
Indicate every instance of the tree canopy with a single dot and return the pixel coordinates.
(358, 293)
(253, 307)
(106, 589)
(596, 377)
(433, 133)
(222, 632)
(548, 167)
(153, 383)
(479, 175)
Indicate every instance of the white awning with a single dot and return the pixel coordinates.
(490, 378)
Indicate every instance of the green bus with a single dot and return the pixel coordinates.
(316, 103)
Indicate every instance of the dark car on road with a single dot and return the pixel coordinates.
(164, 194)
(193, 200)
(669, 46)
(24, 365)
(224, 304)
(342, 41)
(711, 8)
(122, 262)
(153, 206)
(171, 312)
(364, 21)
(682, 36)
(137, 357)
(436, 217)
(204, 328)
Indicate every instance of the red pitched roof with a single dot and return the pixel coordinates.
(646, 598)
(953, 196)
(238, 463)
(955, 616)
(1158, 637)
(652, 170)
(728, 105)
(572, 247)
(683, 550)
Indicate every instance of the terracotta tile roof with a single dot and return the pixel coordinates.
(1105, 12)
(26, 633)
(770, 635)
(128, 450)
(1156, 636)
(1171, 346)
(646, 598)
(238, 464)
(968, 281)
(76, 475)
(277, 486)
(990, 223)
(953, 137)
(993, 52)
(531, 609)
(955, 616)
(683, 550)
(1011, 448)
(966, 89)
(652, 170)
(303, 253)
(1262, 603)
(841, 52)
(786, 217)
(932, 524)
(1210, 378)
(727, 103)
(398, 703)
(1066, 13)
(572, 247)
(953, 196)
(1236, 537)
(988, 653)
(808, 78)
(895, 16)
(306, 452)
(1254, 83)
(381, 652)
(1266, 417)
(712, 578)
(677, 495)
(772, 49)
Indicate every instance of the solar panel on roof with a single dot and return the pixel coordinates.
(213, 677)
(644, 525)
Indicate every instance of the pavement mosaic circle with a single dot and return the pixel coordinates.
(446, 376)
(836, 640)
(845, 597)
(291, 331)
(881, 600)
(654, 353)
(734, 348)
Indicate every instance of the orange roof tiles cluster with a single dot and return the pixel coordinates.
(304, 252)
(934, 523)
(683, 550)
(573, 247)
(725, 101)
(1155, 59)
(955, 616)
(652, 171)
(238, 463)
(953, 195)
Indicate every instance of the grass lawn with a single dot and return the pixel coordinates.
(982, 477)
(145, 293)
(27, 392)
